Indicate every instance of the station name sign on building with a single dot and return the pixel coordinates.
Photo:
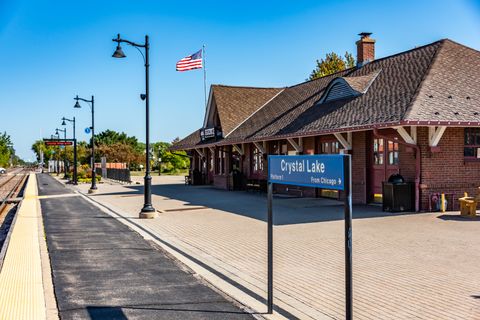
(210, 133)
(319, 171)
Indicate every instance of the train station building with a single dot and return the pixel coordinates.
(416, 113)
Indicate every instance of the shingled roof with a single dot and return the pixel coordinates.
(235, 104)
(190, 141)
(282, 110)
(436, 83)
(451, 90)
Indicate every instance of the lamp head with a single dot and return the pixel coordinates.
(77, 105)
(118, 52)
(63, 122)
(56, 131)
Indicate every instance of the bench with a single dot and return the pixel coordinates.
(252, 184)
(295, 190)
(258, 185)
(468, 206)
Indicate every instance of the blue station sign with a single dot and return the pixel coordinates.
(87, 130)
(321, 171)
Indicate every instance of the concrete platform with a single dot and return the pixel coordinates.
(405, 266)
(104, 270)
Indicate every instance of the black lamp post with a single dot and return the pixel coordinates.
(56, 136)
(55, 161)
(64, 150)
(147, 211)
(75, 181)
(93, 188)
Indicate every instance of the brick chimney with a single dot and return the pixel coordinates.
(365, 49)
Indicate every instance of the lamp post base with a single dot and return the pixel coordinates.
(92, 190)
(147, 215)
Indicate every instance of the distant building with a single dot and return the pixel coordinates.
(416, 113)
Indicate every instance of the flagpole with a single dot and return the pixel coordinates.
(204, 75)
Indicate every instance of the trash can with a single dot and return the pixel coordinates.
(397, 194)
(197, 177)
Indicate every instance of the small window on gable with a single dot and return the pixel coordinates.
(339, 90)
(348, 87)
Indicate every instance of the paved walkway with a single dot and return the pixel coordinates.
(104, 270)
(421, 266)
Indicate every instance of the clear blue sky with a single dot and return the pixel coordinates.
(53, 50)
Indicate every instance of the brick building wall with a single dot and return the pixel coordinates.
(221, 181)
(446, 170)
(443, 171)
(359, 154)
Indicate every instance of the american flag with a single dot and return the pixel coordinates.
(191, 62)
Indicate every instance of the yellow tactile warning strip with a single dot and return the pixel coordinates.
(21, 285)
(58, 196)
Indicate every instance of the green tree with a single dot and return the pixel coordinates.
(48, 152)
(119, 147)
(170, 161)
(332, 63)
(109, 137)
(54, 153)
(6, 149)
(121, 152)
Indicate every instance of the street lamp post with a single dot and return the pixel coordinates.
(93, 187)
(75, 179)
(55, 164)
(64, 149)
(148, 211)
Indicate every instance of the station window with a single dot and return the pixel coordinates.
(471, 149)
(378, 151)
(284, 148)
(392, 153)
(279, 148)
(330, 147)
(257, 160)
(219, 166)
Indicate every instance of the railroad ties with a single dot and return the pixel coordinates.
(10, 187)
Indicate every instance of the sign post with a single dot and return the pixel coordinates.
(347, 169)
(332, 171)
(270, 248)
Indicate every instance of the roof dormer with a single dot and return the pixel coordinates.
(348, 87)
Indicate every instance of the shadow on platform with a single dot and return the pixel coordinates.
(287, 210)
(456, 217)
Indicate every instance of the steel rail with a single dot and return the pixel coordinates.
(14, 190)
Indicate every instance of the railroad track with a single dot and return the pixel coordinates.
(10, 187)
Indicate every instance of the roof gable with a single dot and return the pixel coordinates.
(235, 104)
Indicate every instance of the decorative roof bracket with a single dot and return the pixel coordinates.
(260, 147)
(239, 148)
(200, 153)
(435, 134)
(411, 137)
(346, 143)
(297, 146)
